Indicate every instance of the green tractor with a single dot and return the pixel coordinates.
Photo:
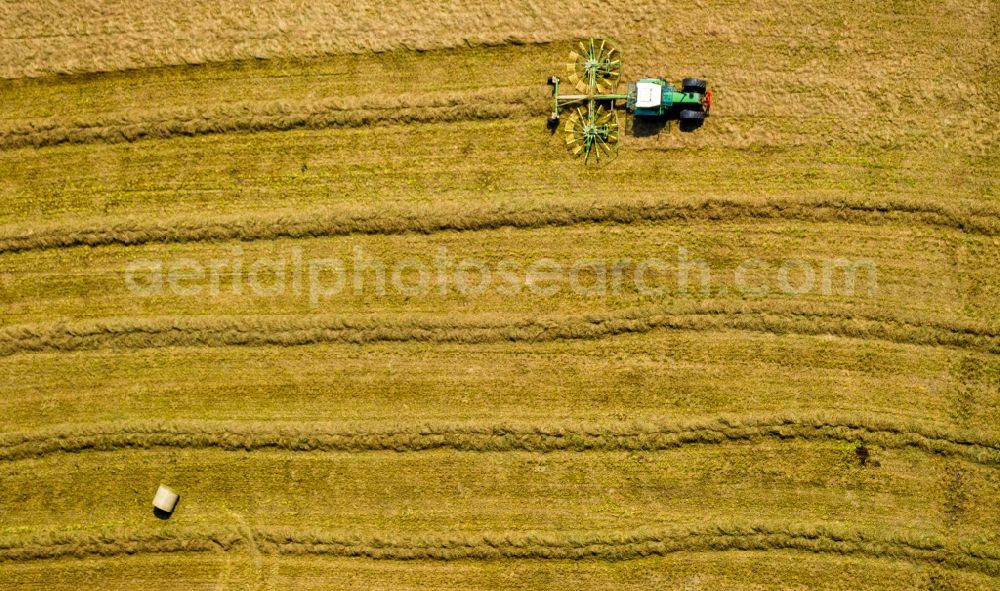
(655, 97)
(594, 126)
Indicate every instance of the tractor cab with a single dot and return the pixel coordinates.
(649, 97)
(655, 97)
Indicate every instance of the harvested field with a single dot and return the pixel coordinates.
(322, 269)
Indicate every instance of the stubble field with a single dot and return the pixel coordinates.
(624, 438)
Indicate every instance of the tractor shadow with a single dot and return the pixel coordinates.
(649, 127)
(644, 127)
(165, 515)
(689, 125)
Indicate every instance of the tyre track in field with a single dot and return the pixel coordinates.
(560, 436)
(617, 546)
(226, 331)
(430, 219)
(246, 117)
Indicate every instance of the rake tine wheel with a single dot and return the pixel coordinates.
(593, 129)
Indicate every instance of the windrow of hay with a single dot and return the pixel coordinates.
(498, 437)
(357, 111)
(427, 219)
(815, 538)
(763, 316)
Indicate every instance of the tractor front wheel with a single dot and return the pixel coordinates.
(694, 85)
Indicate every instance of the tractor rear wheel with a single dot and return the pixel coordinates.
(691, 120)
(694, 85)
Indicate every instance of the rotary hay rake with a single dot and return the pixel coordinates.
(594, 125)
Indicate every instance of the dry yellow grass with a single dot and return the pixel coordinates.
(448, 493)
(928, 284)
(569, 441)
(64, 36)
(770, 570)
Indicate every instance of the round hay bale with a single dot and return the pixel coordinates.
(165, 499)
